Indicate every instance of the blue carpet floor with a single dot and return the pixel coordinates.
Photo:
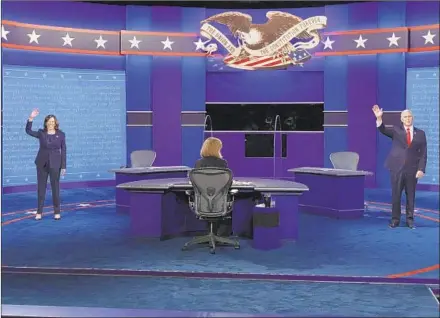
(95, 236)
(424, 199)
(254, 297)
(92, 235)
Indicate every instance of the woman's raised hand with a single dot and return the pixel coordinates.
(34, 113)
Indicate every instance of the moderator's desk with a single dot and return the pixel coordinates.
(333, 192)
(158, 208)
(124, 175)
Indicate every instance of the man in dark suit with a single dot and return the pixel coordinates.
(406, 162)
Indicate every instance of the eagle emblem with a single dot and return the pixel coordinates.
(258, 46)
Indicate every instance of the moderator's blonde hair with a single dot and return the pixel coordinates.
(211, 148)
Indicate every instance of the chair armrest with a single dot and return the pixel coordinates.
(190, 195)
(231, 195)
(231, 198)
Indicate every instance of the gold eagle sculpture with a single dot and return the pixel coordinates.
(258, 36)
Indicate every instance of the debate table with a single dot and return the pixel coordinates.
(158, 208)
(335, 193)
(123, 175)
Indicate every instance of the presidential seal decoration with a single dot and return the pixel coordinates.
(281, 42)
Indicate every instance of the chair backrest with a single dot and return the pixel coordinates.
(211, 188)
(346, 160)
(142, 158)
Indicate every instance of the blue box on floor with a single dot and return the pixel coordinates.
(266, 221)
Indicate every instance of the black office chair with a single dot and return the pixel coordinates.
(212, 201)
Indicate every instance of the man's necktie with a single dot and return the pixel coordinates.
(408, 137)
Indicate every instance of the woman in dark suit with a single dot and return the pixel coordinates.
(212, 158)
(211, 154)
(50, 160)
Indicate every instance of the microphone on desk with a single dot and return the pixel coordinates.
(210, 124)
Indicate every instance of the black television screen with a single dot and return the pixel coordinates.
(261, 145)
(261, 117)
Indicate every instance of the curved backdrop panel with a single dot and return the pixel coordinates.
(90, 106)
(362, 59)
(422, 95)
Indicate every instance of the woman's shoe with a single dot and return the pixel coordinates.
(57, 216)
(38, 216)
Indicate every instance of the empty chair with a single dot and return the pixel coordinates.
(142, 158)
(346, 160)
(212, 201)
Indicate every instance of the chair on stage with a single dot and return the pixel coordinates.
(346, 160)
(142, 158)
(212, 201)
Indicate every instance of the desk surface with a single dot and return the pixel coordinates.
(329, 171)
(147, 170)
(250, 184)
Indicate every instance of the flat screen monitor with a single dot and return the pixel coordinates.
(259, 145)
(261, 117)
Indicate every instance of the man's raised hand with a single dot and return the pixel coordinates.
(378, 112)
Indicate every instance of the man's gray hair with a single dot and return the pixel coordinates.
(406, 111)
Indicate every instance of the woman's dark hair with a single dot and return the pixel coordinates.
(46, 119)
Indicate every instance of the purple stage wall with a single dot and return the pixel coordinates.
(166, 95)
(303, 149)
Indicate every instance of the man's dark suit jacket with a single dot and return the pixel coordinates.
(52, 153)
(412, 158)
(211, 162)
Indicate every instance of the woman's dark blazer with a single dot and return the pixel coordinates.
(52, 149)
(211, 162)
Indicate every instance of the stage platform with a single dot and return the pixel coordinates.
(92, 241)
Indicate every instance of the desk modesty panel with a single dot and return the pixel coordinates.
(157, 210)
(124, 175)
(333, 192)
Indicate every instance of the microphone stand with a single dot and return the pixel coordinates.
(210, 124)
(277, 120)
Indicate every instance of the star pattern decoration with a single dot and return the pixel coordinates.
(134, 43)
(4, 33)
(360, 42)
(429, 37)
(167, 44)
(328, 44)
(200, 45)
(393, 40)
(33, 37)
(373, 41)
(151, 43)
(76, 40)
(67, 40)
(100, 42)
